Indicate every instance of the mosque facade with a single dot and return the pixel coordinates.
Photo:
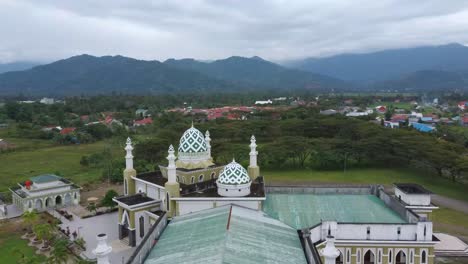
(334, 224)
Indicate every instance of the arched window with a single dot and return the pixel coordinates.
(177, 178)
(423, 257)
(200, 178)
(167, 202)
(142, 226)
(213, 175)
(411, 256)
(358, 255)
(125, 187)
(348, 256)
(390, 257)
(380, 255)
(192, 180)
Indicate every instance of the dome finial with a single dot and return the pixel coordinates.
(233, 160)
(192, 123)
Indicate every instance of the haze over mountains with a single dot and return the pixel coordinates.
(424, 68)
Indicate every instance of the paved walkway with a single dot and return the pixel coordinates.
(12, 211)
(88, 228)
(451, 203)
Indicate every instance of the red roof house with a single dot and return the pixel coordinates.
(143, 122)
(67, 130)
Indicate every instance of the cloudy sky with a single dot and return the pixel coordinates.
(47, 30)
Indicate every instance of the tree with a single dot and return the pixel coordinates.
(92, 208)
(44, 232)
(107, 200)
(59, 252)
(30, 218)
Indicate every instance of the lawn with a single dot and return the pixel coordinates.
(9, 248)
(11, 243)
(450, 221)
(35, 157)
(368, 176)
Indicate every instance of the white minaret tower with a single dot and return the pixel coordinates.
(171, 187)
(129, 156)
(102, 250)
(254, 170)
(129, 172)
(208, 143)
(330, 252)
(171, 168)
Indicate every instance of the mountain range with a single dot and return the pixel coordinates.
(414, 69)
(86, 74)
(388, 64)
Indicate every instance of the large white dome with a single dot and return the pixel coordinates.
(193, 150)
(192, 141)
(233, 174)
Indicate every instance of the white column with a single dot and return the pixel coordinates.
(171, 168)
(102, 250)
(129, 156)
(253, 152)
(208, 142)
(330, 252)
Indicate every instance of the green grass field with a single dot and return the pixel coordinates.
(10, 246)
(35, 157)
(367, 176)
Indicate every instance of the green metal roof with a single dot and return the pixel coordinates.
(45, 178)
(218, 236)
(300, 210)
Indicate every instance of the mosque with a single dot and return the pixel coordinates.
(194, 210)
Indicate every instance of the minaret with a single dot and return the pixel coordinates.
(253, 169)
(129, 172)
(172, 187)
(330, 252)
(102, 250)
(208, 143)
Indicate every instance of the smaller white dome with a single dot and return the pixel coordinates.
(233, 174)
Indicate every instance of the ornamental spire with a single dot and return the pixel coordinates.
(208, 142)
(171, 167)
(253, 152)
(129, 155)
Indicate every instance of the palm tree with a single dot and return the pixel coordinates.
(59, 253)
(44, 232)
(30, 219)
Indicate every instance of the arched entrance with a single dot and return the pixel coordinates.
(58, 200)
(48, 202)
(67, 200)
(369, 257)
(38, 204)
(340, 259)
(400, 258)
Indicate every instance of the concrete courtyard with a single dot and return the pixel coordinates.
(88, 228)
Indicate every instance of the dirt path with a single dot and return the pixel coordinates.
(453, 204)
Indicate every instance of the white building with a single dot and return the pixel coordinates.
(45, 191)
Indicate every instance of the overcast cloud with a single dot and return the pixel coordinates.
(47, 30)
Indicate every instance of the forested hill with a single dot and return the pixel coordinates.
(87, 74)
(388, 64)
(258, 72)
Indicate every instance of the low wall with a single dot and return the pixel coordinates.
(142, 251)
(398, 207)
(324, 189)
